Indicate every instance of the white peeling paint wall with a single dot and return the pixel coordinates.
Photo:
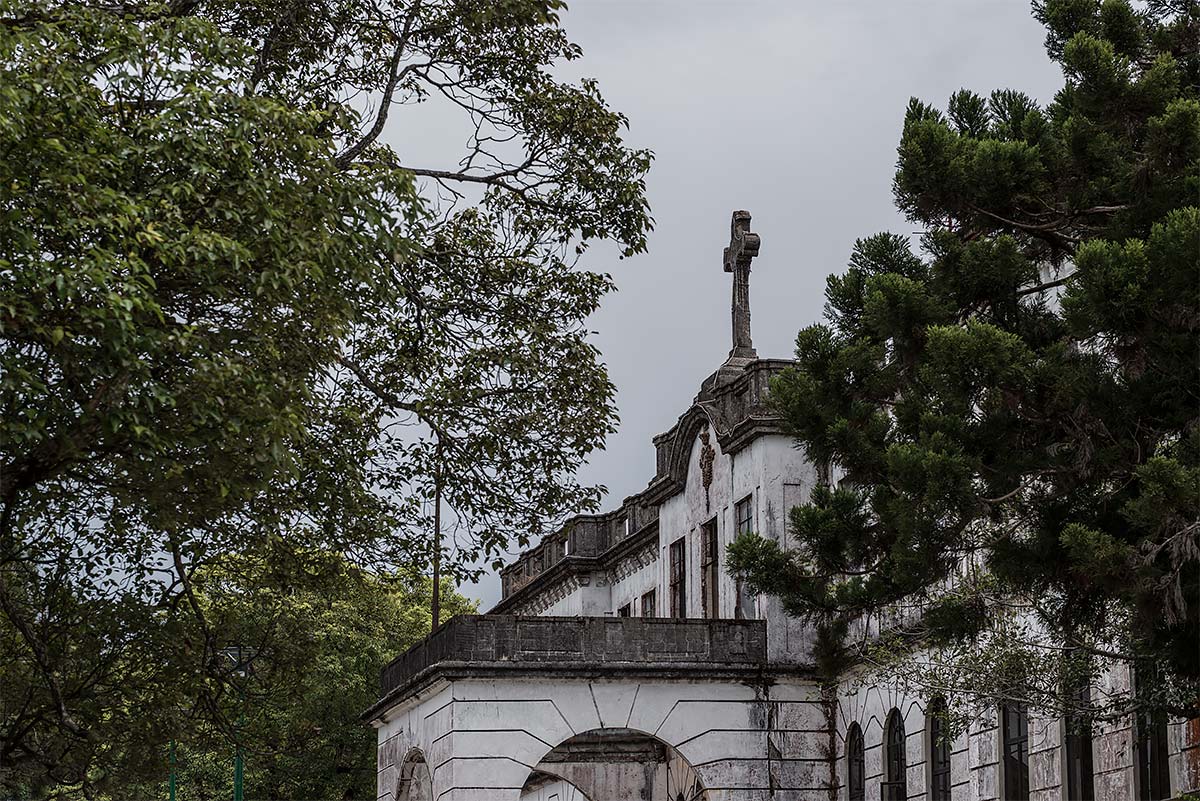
(481, 737)
(634, 576)
(777, 476)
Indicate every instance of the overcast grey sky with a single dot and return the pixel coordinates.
(790, 109)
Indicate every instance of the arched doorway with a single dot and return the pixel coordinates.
(615, 765)
(414, 783)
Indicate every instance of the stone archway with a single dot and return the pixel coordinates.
(616, 764)
(415, 782)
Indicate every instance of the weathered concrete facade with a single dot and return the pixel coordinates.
(976, 773)
(623, 662)
(494, 704)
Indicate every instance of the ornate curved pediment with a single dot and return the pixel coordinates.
(733, 404)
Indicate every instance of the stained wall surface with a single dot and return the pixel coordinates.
(482, 738)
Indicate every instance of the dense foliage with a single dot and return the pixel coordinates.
(235, 321)
(1013, 412)
(320, 631)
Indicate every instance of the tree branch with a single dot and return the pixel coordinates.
(394, 75)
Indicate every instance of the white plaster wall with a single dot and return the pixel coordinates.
(781, 478)
(634, 576)
(772, 470)
(417, 724)
(682, 515)
(569, 606)
(584, 595)
(482, 737)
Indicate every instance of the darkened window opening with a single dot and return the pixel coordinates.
(624, 611)
(709, 572)
(1080, 781)
(1154, 778)
(856, 764)
(743, 513)
(678, 579)
(1014, 724)
(895, 788)
(649, 605)
(939, 751)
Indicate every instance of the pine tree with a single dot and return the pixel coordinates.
(1015, 407)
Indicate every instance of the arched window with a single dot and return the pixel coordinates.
(415, 782)
(856, 764)
(1014, 733)
(939, 751)
(895, 787)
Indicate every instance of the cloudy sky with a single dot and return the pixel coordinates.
(790, 109)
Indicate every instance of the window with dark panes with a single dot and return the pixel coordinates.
(895, 787)
(709, 571)
(649, 604)
(678, 578)
(1081, 783)
(1153, 775)
(939, 751)
(1014, 734)
(856, 764)
(624, 611)
(744, 513)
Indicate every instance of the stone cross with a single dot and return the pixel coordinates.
(743, 246)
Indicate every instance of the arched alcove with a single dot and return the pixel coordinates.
(415, 783)
(616, 764)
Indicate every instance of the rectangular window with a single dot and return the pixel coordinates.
(1080, 779)
(624, 611)
(1153, 773)
(1014, 725)
(649, 604)
(710, 573)
(744, 513)
(1154, 779)
(678, 583)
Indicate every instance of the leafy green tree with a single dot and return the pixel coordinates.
(1013, 412)
(320, 631)
(232, 314)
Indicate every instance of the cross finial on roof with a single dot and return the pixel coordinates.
(743, 246)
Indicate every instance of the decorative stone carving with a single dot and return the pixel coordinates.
(707, 457)
(540, 603)
(634, 562)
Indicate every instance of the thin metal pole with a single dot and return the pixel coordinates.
(171, 780)
(237, 775)
(239, 761)
(436, 606)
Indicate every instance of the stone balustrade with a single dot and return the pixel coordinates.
(516, 642)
